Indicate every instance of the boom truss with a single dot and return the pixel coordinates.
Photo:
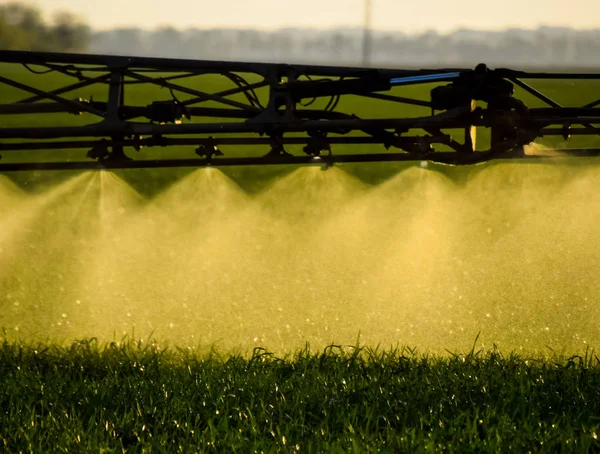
(270, 106)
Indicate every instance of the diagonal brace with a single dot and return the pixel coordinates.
(66, 89)
(75, 105)
(191, 91)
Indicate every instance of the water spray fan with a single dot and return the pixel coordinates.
(202, 120)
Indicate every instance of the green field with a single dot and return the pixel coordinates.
(140, 398)
(248, 261)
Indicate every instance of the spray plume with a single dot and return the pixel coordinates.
(423, 259)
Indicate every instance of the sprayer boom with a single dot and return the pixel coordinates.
(186, 106)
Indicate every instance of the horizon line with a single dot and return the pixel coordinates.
(346, 27)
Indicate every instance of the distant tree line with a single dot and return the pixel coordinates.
(544, 47)
(23, 27)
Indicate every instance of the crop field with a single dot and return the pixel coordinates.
(139, 398)
(381, 307)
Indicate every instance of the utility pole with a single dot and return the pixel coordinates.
(366, 44)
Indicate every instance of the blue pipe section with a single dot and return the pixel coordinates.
(424, 78)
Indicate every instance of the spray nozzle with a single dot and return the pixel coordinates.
(208, 150)
(99, 151)
(277, 148)
(316, 144)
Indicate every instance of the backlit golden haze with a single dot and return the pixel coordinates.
(408, 17)
(423, 259)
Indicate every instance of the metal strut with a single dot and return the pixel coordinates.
(275, 105)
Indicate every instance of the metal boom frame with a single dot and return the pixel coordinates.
(286, 117)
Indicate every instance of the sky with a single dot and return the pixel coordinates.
(400, 15)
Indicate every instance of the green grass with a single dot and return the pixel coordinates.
(92, 398)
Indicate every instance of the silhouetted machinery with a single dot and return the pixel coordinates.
(271, 106)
